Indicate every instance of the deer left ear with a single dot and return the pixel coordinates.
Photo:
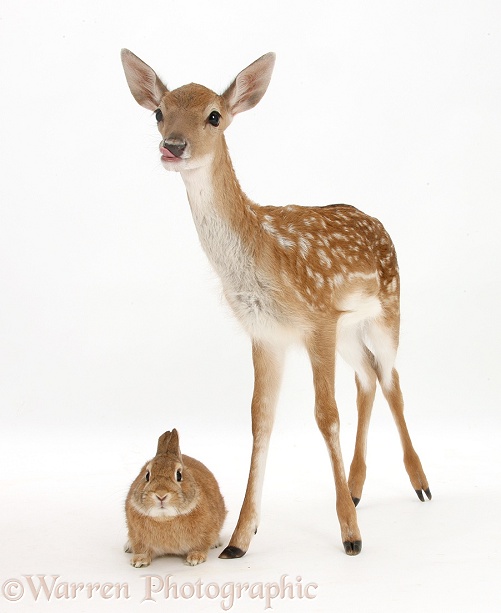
(250, 85)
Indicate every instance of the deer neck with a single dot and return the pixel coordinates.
(224, 217)
(231, 235)
(213, 188)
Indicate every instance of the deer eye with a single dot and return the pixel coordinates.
(214, 118)
(179, 476)
(147, 475)
(158, 115)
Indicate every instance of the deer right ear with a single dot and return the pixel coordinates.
(143, 82)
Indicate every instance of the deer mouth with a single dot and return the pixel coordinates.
(173, 148)
(167, 155)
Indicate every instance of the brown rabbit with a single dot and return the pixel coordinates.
(173, 506)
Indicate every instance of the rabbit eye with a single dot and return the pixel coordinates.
(147, 475)
(179, 476)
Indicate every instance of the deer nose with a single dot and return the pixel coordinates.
(175, 145)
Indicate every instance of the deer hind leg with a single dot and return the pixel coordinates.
(351, 347)
(268, 365)
(321, 349)
(366, 391)
(384, 350)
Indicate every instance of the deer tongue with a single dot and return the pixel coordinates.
(167, 154)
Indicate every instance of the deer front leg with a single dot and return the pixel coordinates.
(322, 355)
(268, 363)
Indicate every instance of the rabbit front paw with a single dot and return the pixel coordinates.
(140, 560)
(196, 557)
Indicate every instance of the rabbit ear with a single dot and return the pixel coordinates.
(169, 443)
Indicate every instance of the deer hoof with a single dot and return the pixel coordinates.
(230, 553)
(352, 548)
(420, 494)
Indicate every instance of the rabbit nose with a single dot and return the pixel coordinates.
(161, 498)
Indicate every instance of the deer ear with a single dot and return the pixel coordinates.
(250, 85)
(143, 82)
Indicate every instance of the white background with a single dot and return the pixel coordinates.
(112, 325)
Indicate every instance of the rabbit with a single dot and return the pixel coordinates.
(174, 506)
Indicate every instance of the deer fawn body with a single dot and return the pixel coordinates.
(326, 276)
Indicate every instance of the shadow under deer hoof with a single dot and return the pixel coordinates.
(352, 548)
(230, 553)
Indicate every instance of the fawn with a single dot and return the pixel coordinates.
(325, 276)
